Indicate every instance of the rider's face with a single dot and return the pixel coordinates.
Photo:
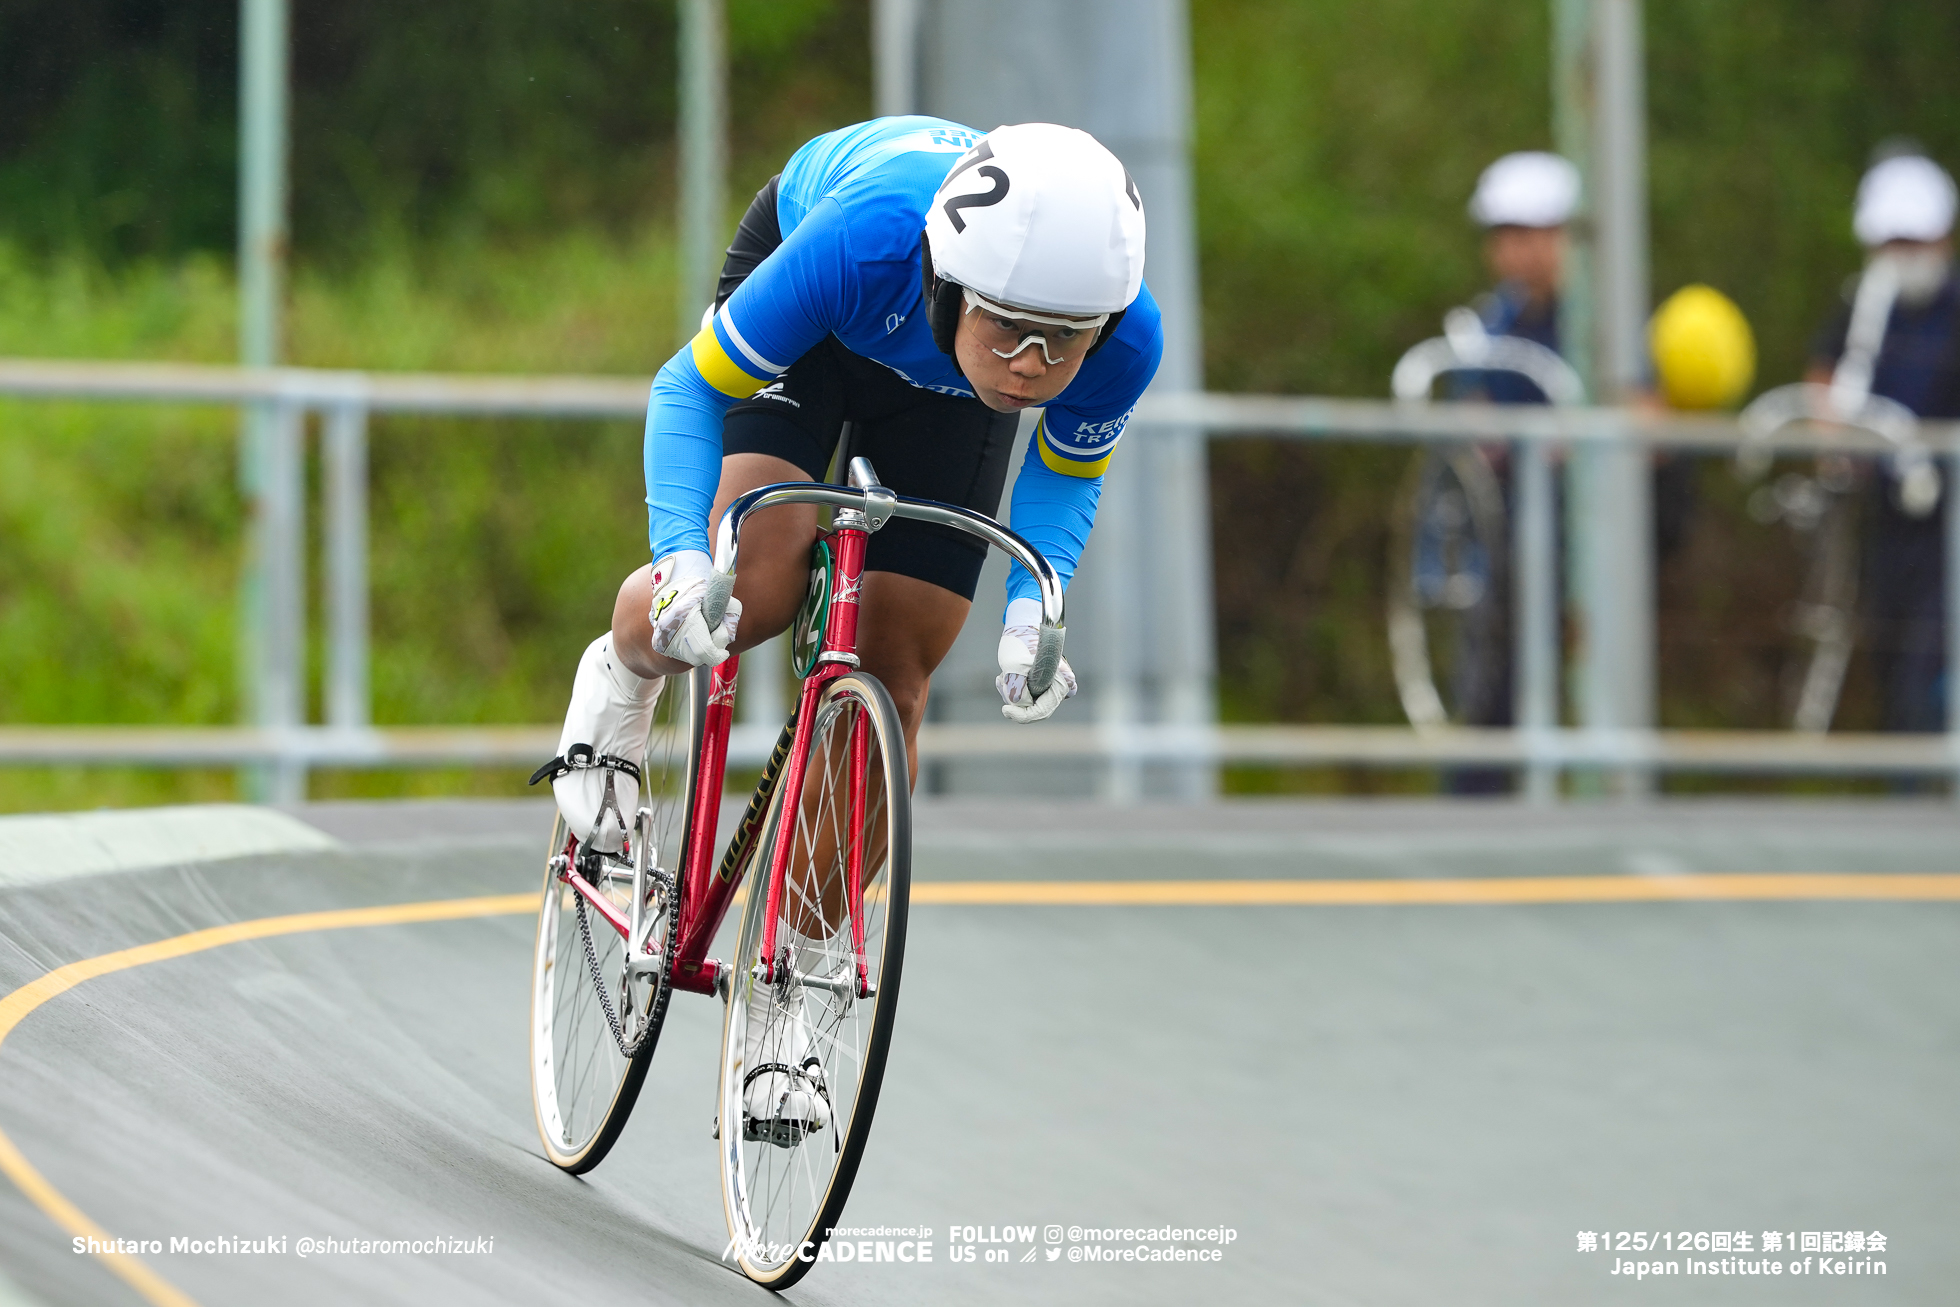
(1009, 385)
(1533, 257)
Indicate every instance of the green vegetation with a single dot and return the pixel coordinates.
(484, 187)
(120, 526)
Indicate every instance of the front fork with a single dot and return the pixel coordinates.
(705, 900)
(710, 889)
(838, 657)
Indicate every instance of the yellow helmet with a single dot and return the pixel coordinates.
(1703, 351)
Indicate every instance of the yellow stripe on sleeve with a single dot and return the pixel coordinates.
(1069, 467)
(721, 371)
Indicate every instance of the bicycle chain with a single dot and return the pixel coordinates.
(599, 985)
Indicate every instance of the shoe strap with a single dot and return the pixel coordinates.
(580, 757)
(794, 1072)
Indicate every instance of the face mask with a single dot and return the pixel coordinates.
(1921, 272)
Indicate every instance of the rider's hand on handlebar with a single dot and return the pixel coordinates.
(1018, 643)
(680, 581)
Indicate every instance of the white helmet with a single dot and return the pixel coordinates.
(1905, 198)
(1040, 217)
(1528, 189)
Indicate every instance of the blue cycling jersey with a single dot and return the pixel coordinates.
(1919, 362)
(1508, 311)
(852, 206)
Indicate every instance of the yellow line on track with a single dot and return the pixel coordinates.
(1508, 889)
(16, 1006)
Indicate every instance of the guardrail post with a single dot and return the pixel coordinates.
(1951, 506)
(274, 624)
(1119, 628)
(1609, 517)
(1535, 613)
(345, 460)
(1182, 626)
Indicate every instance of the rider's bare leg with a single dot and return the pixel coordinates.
(771, 581)
(909, 626)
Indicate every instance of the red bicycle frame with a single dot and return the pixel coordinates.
(707, 888)
(711, 887)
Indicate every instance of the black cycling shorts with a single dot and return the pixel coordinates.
(922, 443)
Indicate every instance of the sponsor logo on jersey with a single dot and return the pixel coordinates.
(1083, 453)
(962, 392)
(1097, 433)
(775, 391)
(952, 138)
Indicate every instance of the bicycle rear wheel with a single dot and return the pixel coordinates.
(594, 1022)
(783, 1186)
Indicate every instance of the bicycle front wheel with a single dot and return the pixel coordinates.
(594, 1019)
(826, 1011)
(1449, 590)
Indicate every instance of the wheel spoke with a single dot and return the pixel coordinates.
(586, 1087)
(790, 1191)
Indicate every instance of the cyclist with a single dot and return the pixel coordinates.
(925, 283)
(1523, 202)
(1904, 214)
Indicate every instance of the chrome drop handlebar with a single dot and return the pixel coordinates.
(867, 506)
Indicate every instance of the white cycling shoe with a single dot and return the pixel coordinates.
(596, 775)
(784, 1097)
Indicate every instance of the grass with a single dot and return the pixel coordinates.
(496, 545)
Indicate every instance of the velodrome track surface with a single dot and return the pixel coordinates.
(1391, 1102)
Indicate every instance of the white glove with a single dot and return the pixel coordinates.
(1017, 647)
(680, 581)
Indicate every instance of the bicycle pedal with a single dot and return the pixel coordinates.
(777, 1131)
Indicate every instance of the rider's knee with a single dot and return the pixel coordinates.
(909, 688)
(770, 598)
(632, 627)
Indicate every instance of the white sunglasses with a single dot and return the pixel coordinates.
(987, 306)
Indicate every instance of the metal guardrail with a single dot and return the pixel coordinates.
(1776, 752)
(1310, 417)
(288, 747)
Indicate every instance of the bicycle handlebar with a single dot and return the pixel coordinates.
(878, 505)
(1466, 346)
(1812, 402)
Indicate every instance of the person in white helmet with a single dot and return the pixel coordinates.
(1904, 217)
(925, 283)
(1523, 202)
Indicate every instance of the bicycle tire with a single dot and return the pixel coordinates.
(582, 1087)
(1432, 556)
(781, 1201)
